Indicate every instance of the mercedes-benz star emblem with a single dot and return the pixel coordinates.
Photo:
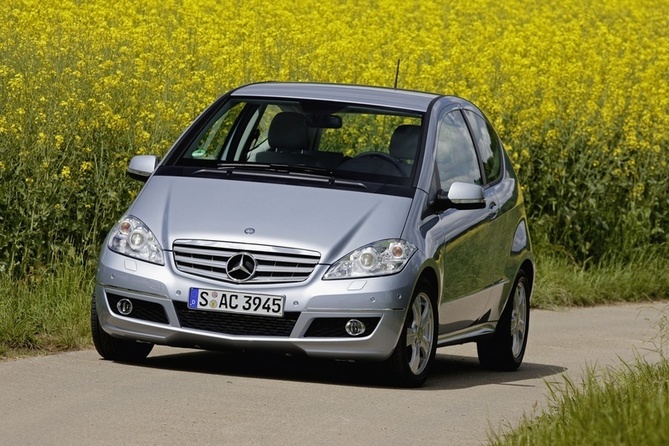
(241, 267)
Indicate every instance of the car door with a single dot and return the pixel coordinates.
(465, 253)
(501, 196)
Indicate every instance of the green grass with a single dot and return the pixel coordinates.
(624, 406)
(46, 311)
(561, 283)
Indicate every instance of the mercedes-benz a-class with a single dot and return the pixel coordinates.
(337, 221)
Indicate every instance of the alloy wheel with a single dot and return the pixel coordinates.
(519, 320)
(420, 334)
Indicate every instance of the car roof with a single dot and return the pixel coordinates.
(354, 94)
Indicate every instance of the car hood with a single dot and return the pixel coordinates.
(330, 221)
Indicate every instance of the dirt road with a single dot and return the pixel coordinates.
(181, 397)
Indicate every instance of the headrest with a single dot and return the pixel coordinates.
(404, 142)
(288, 131)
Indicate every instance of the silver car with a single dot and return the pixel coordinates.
(335, 221)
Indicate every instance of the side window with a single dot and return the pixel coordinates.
(456, 156)
(488, 144)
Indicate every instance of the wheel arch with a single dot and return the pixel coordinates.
(430, 276)
(529, 269)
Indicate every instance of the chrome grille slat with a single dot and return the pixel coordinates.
(205, 251)
(274, 264)
(202, 262)
(209, 274)
(283, 269)
(274, 280)
(284, 259)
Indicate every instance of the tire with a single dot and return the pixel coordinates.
(504, 351)
(414, 353)
(115, 349)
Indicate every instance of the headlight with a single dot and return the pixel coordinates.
(376, 259)
(131, 237)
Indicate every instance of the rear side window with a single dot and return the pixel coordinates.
(488, 144)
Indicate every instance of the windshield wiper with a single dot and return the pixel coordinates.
(310, 173)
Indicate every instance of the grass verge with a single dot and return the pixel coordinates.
(562, 283)
(48, 311)
(625, 406)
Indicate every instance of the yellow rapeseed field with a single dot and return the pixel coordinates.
(579, 90)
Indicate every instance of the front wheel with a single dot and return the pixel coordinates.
(414, 354)
(113, 348)
(506, 348)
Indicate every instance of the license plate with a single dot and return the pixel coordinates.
(234, 302)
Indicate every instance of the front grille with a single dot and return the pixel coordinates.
(334, 327)
(236, 324)
(273, 264)
(141, 309)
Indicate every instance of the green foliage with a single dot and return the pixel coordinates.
(49, 210)
(560, 281)
(47, 311)
(626, 406)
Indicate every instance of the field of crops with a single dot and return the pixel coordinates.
(579, 90)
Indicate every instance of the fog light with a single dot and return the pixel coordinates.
(355, 327)
(124, 306)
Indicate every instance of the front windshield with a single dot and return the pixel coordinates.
(351, 141)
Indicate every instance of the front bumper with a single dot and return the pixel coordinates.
(316, 311)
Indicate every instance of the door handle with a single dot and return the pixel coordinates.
(493, 210)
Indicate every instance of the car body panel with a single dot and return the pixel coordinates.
(223, 209)
(385, 97)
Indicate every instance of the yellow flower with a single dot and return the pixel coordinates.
(59, 141)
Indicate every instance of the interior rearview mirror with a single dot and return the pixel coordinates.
(324, 121)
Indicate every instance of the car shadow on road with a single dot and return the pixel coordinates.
(448, 372)
(461, 372)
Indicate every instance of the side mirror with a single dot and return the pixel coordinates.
(142, 166)
(461, 196)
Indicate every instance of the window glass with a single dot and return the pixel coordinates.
(211, 143)
(488, 144)
(365, 131)
(456, 156)
(263, 126)
(355, 142)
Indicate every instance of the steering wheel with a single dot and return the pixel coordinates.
(385, 157)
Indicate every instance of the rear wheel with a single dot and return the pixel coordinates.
(414, 354)
(113, 348)
(506, 348)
